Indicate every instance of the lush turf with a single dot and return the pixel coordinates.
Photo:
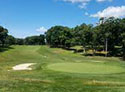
(86, 67)
(44, 79)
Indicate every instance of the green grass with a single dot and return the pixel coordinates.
(89, 68)
(44, 79)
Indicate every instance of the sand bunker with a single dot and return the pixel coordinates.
(25, 66)
(97, 61)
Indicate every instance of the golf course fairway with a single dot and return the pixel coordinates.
(58, 70)
(89, 68)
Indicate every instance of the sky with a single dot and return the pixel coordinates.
(25, 18)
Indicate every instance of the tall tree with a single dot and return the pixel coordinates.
(122, 37)
(59, 36)
(83, 35)
(3, 35)
(35, 40)
(10, 40)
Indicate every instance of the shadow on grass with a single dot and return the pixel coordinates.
(3, 49)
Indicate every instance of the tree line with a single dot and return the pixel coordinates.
(108, 35)
(7, 40)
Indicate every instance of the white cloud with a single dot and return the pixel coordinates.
(86, 13)
(77, 1)
(104, 0)
(42, 30)
(100, 0)
(111, 12)
(83, 3)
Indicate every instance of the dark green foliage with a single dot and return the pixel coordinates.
(35, 40)
(19, 41)
(122, 37)
(113, 30)
(109, 33)
(59, 36)
(3, 35)
(10, 40)
(6, 40)
(83, 34)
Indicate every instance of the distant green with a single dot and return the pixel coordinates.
(89, 68)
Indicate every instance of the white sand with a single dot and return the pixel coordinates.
(97, 61)
(25, 66)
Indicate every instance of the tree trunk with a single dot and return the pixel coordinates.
(106, 47)
(3, 43)
(84, 49)
(93, 50)
(123, 51)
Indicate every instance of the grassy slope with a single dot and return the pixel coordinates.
(43, 80)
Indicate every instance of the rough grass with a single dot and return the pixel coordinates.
(42, 79)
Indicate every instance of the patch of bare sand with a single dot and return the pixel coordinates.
(25, 66)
